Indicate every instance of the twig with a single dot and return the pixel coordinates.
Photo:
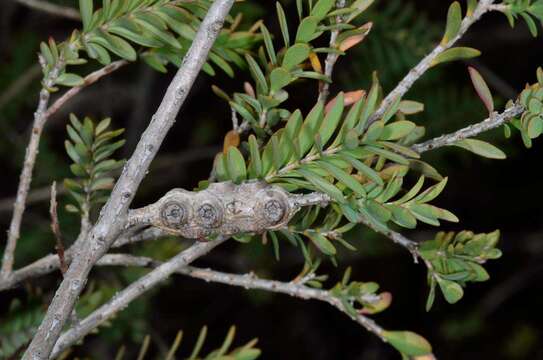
(492, 122)
(332, 57)
(50, 263)
(113, 215)
(52, 9)
(40, 117)
(136, 289)
(55, 227)
(162, 162)
(401, 89)
(89, 79)
(248, 281)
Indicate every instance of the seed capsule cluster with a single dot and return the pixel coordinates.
(224, 208)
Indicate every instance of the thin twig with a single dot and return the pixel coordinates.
(332, 57)
(113, 215)
(50, 263)
(247, 281)
(55, 227)
(88, 80)
(40, 117)
(53, 9)
(492, 122)
(136, 289)
(407, 82)
(162, 162)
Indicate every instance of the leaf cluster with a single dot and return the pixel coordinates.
(453, 260)
(159, 31)
(90, 147)
(361, 168)
(530, 123)
(273, 70)
(529, 10)
(245, 352)
(360, 297)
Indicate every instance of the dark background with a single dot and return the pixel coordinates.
(499, 319)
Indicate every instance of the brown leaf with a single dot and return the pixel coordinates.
(349, 98)
(315, 62)
(355, 39)
(249, 89)
(230, 139)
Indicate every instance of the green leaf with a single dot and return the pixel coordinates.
(408, 343)
(235, 165)
(451, 290)
(295, 55)
(71, 80)
(331, 120)
(482, 89)
(307, 29)
(85, 8)
(397, 130)
(454, 20)
(255, 166)
(369, 107)
(343, 177)
(116, 45)
(279, 78)
(481, 148)
(403, 217)
(283, 23)
(363, 169)
(245, 114)
(457, 53)
(322, 8)
(310, 127)
(257, 73)
(322, 184)
(152, 24)
(409, 107)
(131, 32)
(322, 243)
(269, 44)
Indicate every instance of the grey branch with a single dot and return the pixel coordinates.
(136, 289)
(40, 118)
(113, 215)
(494, 121)
(407, 82)
(88, 80)
(52, 9)
(247, 281)
(50, 263)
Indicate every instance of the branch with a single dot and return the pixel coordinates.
(331, 58)
(248, 281)
(407, 82)
(494, 121)
(113, 215)
(88, 80)
(136, 289)
(40, 117)
(52, 9)
(50, 263)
